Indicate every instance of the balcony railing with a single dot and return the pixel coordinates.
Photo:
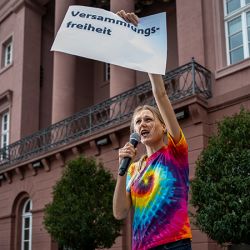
(187, 80)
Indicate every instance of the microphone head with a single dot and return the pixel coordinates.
(135, 137)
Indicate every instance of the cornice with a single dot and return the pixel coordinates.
(5, 10)
(10, 7)
(234, 97)
(29, 4)
(3, 3)
(6, 96)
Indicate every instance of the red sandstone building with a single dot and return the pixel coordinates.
(54, 107)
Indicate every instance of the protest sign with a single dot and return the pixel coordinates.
(102, 35)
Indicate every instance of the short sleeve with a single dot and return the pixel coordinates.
(179, 148)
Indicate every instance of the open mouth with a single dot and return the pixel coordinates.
(144, 133)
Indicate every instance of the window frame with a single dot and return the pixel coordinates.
(5, 131)
(241, 12)
(4, 134)
(106, 72)
(26, 215)
(7, 56)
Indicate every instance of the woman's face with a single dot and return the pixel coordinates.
(148, 126)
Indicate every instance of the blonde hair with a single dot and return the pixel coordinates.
(154, 110)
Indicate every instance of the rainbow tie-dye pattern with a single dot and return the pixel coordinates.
(160, 197)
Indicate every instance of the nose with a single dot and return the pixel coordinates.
(142, 124)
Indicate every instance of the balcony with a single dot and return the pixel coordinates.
(188, 80)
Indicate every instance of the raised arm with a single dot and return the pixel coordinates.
(159, 91)
(164, 105)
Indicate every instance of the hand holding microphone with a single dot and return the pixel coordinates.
(127, 152)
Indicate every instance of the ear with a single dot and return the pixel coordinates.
(164, 129)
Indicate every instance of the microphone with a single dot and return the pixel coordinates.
(134, 140)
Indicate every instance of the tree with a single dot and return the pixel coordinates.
(220, 189)
(80, 216)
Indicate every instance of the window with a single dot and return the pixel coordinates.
(7, 51)
(237, 26)
(4, 134)
(27, 225)
(106, 72)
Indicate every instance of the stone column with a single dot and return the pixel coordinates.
(121, 79)
(190, 44)
(27, 23)
(63, 72)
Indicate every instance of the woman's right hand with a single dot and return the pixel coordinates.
(129, 17)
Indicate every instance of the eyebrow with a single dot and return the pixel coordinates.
(140, 117)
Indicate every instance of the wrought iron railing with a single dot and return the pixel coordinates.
(187, 80)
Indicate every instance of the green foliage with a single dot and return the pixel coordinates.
(80, 216)
(220, 189)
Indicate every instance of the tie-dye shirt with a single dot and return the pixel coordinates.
(160, 197)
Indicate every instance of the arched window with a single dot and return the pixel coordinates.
(27, 225)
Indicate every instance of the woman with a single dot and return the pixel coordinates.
(157, 185)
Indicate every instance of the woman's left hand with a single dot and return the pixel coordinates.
(127, 151)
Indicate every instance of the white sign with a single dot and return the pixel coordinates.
(102, 35)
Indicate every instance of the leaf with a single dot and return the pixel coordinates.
(220, 189)
(80, 216)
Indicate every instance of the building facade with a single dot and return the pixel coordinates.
(54, 107)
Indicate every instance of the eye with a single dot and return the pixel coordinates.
(148, 119)
(137, 121)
